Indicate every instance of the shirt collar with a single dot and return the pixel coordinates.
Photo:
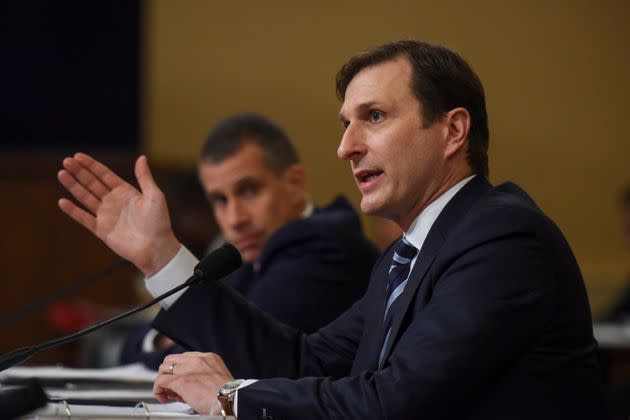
(310, 208)
(419, 229)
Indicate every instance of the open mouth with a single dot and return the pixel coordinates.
(367, 176)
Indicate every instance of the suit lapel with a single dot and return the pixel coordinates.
(448, 218)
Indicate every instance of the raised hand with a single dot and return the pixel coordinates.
(134, 224)
(193, 378)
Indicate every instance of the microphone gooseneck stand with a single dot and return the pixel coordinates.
(214, 266)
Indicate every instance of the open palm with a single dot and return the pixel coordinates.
(134, 224)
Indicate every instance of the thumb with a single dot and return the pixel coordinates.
(144, 176)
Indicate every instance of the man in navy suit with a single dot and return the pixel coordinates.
(303, 265)
(478, 312)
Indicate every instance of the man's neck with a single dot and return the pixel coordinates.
(419, 228)
(445, 185)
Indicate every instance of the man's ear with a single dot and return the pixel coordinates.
(295, 181)
(458, 126)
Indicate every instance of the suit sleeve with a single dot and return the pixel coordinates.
(252, 343)
(172, 275)
(490, 299)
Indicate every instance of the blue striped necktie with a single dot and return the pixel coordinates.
(396, 282)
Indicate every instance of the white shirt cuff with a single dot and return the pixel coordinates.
(176, 272)
(243, 384)
(148, 344)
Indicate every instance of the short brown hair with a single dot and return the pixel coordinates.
(234, 132)
(442, 80)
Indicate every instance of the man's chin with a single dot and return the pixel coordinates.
(371, 207)
(249, 255)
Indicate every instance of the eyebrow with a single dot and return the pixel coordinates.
(239, 183)
(247, 181)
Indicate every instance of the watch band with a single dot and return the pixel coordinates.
(227, 406)
(225, 396)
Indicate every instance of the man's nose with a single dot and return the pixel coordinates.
(237, 213)
(352, 145)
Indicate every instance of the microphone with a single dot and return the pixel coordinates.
(18, 401)
(216, 265)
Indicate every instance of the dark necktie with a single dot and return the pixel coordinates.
(396, 282)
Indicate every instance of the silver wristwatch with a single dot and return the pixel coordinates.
(225, 396)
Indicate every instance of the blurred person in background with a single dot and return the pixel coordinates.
(303, 265)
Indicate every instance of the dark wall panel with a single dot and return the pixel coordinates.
(69, 77)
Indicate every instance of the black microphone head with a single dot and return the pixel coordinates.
(19, 401)
(219, 263)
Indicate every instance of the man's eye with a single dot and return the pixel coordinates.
(376, 116)
(217, 201)
(250, 190)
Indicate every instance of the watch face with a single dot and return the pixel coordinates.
(229, 387)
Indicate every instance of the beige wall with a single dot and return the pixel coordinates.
(556, 79)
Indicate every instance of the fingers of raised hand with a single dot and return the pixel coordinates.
(87, 188)
(83, 195)
(105, 175)
(144, 176)
(83, 217)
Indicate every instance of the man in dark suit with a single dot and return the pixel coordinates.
(303, 265)
(478, 312)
